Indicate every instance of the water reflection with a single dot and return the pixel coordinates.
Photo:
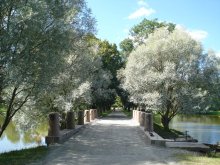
(204, 128)
(15, 139)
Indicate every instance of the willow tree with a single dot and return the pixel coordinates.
(36, 38)
(163, 74)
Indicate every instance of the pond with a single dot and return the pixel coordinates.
(15, 139)
(204, 128)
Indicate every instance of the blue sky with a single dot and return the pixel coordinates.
(201, 18)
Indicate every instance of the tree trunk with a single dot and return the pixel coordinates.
(165, 122)
(11, 111)
(3, 127)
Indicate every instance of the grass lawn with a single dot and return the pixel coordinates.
(23, 157)
(106, 113)
(166, 134)
(198, 159)
(213, 113)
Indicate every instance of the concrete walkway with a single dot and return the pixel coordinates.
(114, 140)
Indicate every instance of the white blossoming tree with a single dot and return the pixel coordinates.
(162, 74)
(36, 39)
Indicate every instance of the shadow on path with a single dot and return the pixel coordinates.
(114, 140)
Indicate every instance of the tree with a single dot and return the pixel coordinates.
(137, 36)
(102, 95)
(36, 38)
(163, 74)
(126, 47)
(210, 80)
(140, 32)
(118, 102)
(111, 62)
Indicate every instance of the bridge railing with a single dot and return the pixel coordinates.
(144, 119)
(72, 125)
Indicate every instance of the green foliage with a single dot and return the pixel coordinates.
(210, 80)
(126, 46)
(163, 74)
(25, 156)
(37, 37)
(106, 113)
(127, 113)
(216, 113)
(2, 110)
(118, 102)
(105, 80)
(141, 31)
(110, 56)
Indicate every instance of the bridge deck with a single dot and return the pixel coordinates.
(114, 140)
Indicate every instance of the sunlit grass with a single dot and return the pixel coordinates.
(198, 159)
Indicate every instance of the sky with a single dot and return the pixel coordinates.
(200, 18)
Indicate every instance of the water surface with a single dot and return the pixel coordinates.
(16, 139)
(204, 128)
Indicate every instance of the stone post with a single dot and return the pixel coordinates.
(96, 113)
(148, 126)
(87, 116)
(81, 117)
(91, 114)
(136, 116)
(133, 113)
(70, 120)
(54, 127)
(139, 117)
(142, 118)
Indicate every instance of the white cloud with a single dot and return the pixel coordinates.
(198, 35)
(143, 11)
(142, 3)
(218, 54)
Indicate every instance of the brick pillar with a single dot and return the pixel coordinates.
(70, 120)
(148, 126)
(54, 124)
(81, 117)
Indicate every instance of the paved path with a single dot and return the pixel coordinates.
(110, 141)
